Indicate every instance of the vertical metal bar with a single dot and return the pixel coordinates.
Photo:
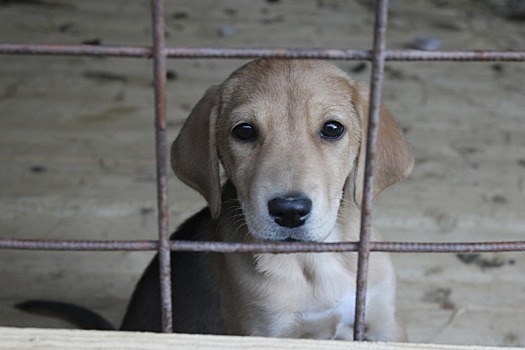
(378, 62)
(159, 69)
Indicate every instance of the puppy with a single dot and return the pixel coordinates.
(290, 136)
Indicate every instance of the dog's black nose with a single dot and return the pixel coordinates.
(290, 211)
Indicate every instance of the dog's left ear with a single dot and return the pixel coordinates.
(194, 157)
(394, 160)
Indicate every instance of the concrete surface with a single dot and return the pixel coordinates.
(77, 159)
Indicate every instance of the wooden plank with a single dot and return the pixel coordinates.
(57, 339)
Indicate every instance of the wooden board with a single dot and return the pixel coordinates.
(57, 339)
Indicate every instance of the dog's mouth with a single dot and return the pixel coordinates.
(291, 239)
(286, 240)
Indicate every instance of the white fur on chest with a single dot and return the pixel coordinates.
(332, 323)
(317, 291)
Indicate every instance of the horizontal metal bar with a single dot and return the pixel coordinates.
(210, 52)
(245, 53)
(76, 50)
(267, 247)
(448, 247)
(465, 55)
(76, 245)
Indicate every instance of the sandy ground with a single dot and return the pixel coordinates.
(77, 158)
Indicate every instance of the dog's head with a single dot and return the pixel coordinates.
(291, 137)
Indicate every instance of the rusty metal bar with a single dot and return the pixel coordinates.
(458, 56)
(376, 85)
(76, 245)
(161, 138)
(310, 247)
(448, 247)
(76, 50)
(242, 53)
(275, 248)
(346, 54)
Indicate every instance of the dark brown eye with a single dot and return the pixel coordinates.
(244, 132)
(332, 130)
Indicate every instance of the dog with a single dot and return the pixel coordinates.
(290, 136)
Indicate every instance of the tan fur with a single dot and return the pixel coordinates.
(288, 101)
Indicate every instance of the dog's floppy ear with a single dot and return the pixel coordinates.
(394, 160)
(194, 157)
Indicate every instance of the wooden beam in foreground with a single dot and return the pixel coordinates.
(58, 339)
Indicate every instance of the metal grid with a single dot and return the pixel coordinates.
(159, 52)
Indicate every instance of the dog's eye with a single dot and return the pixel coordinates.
(244, 132)
(332, 130)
